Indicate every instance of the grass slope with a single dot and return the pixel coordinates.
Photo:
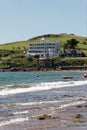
(50, 37)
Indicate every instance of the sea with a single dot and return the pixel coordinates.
(23, 92)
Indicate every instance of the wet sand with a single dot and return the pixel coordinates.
(69, 118)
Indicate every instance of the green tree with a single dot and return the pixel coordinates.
(18, 48)
(72, 44)
(13, 48)
(24, 47)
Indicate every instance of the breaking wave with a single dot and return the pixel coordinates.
(23, 88)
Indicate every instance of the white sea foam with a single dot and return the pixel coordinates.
(20, 112)
(11, 121)
(72, 104)
(41, 87)
(57, 102)
(37, 103)
(18, 120)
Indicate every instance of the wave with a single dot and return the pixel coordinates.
(56, 103)
(27, 117)
(23, 88)
(12, 121)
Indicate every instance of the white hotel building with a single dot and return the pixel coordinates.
(44, 48)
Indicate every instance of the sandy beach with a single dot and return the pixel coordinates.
(67, 118)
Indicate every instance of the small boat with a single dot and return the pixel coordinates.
(84, 75)
(37, 75)
(67, 77)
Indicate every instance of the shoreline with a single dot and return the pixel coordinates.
(54, 117)
(73, 117)
(44, 70)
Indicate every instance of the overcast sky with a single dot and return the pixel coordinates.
(24, 19)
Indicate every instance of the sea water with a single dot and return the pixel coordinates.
(24, 91)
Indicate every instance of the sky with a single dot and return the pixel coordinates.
(24, 19)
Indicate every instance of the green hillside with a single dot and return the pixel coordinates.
(23, 45)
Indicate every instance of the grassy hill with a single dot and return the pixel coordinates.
(51, 37)
(13, 59)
